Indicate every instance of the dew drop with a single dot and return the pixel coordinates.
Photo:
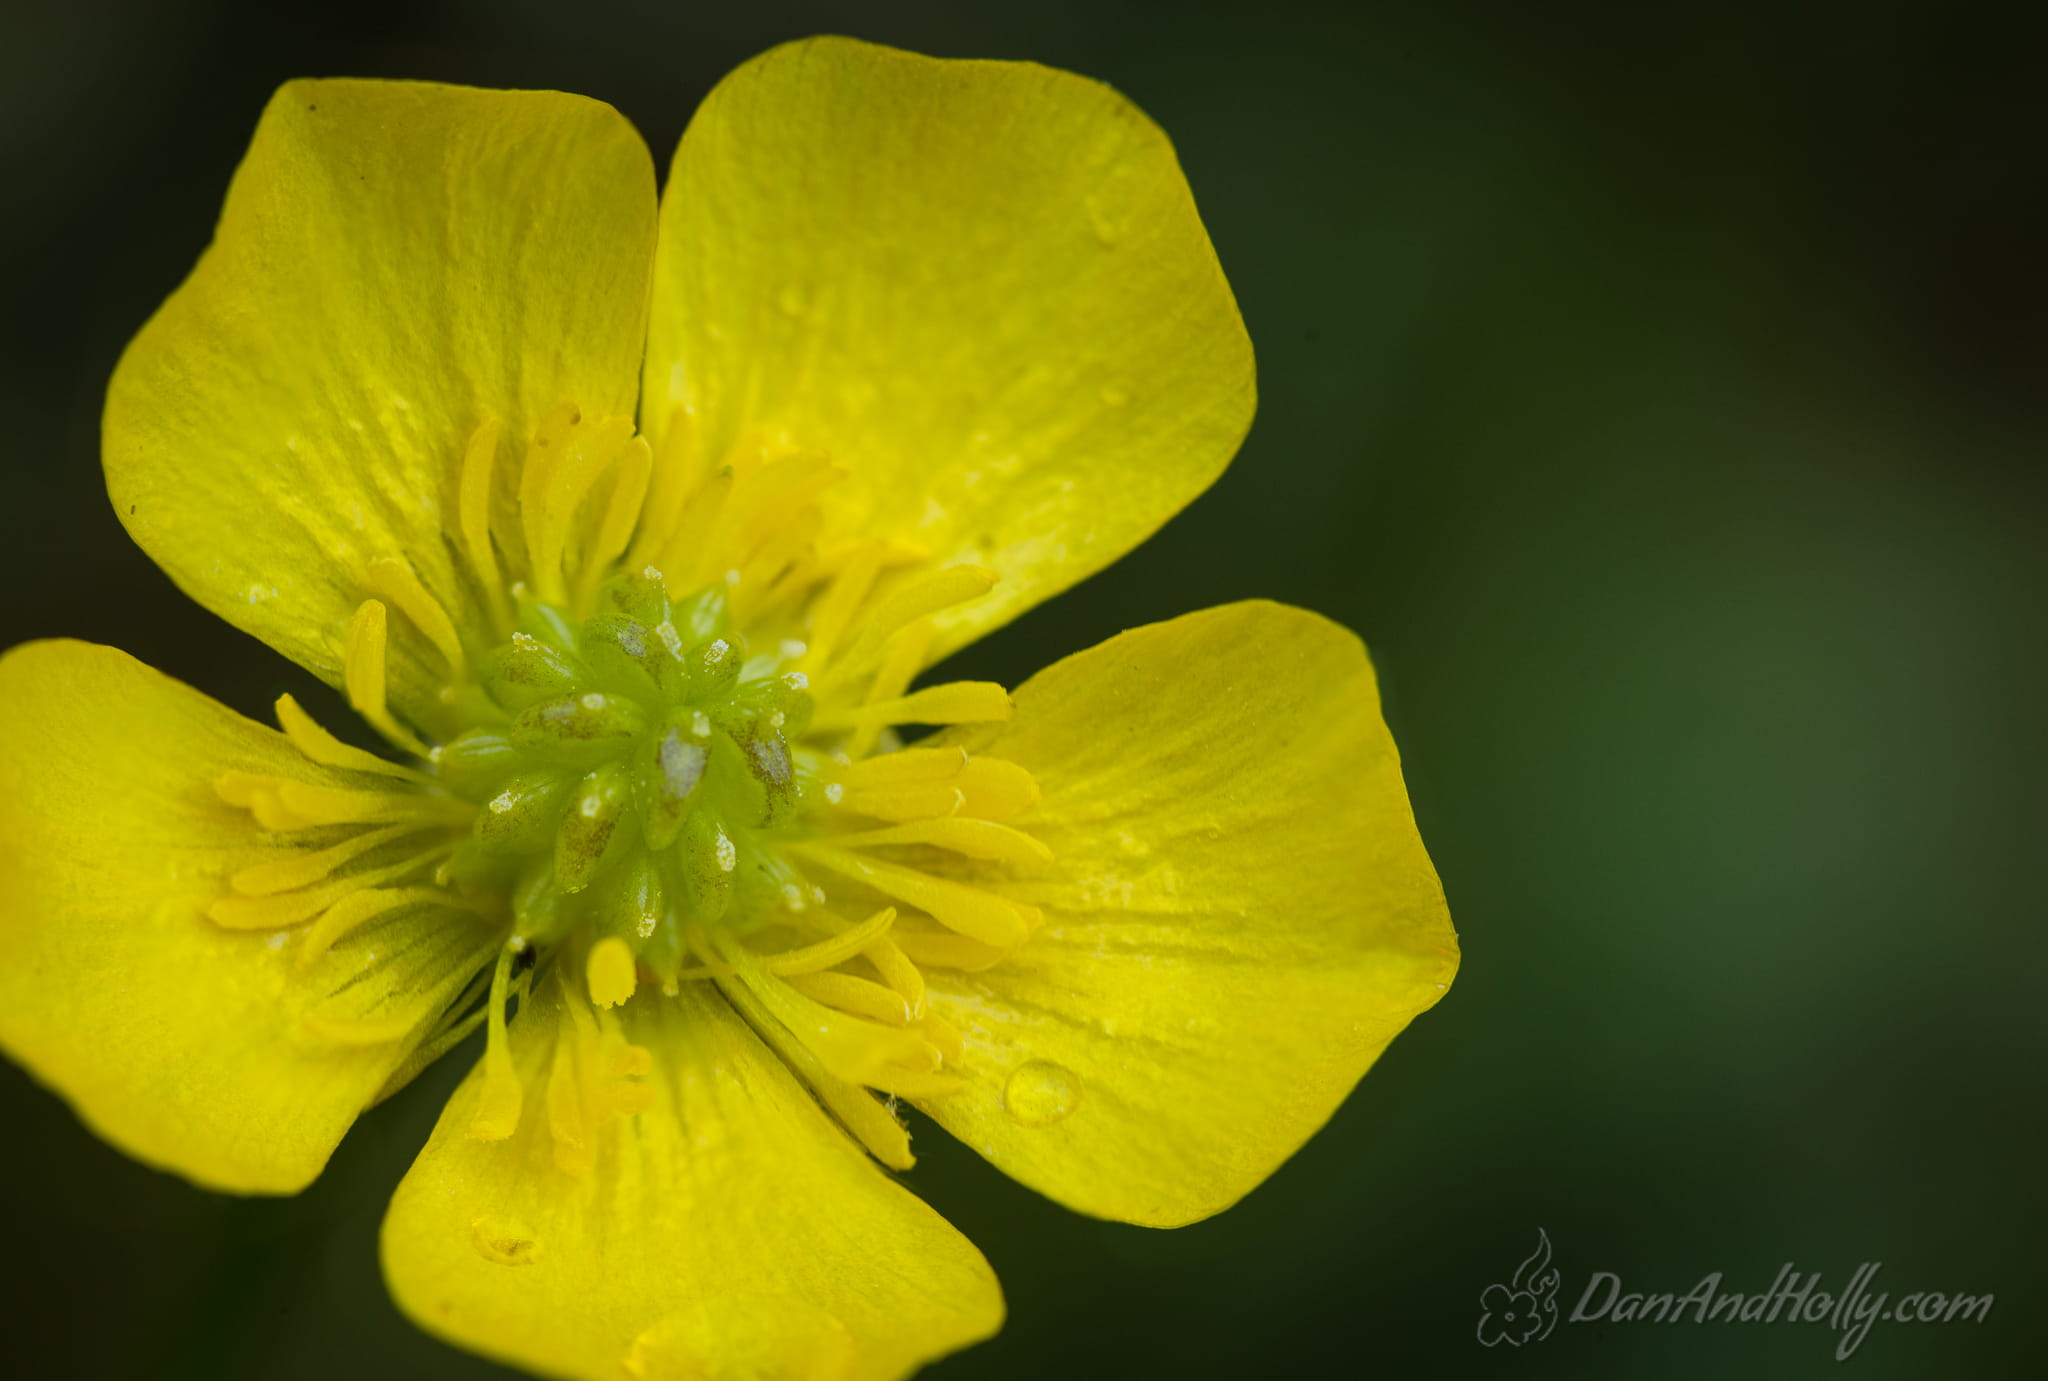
(1040, 1093)
(1104, 220)
(507, 1241)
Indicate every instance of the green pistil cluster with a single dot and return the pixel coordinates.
(632, 773)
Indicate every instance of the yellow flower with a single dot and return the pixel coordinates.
(917, 344)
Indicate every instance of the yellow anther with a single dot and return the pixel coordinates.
(865, 1052)
(363, 675)
(473, 515)
(986, 917)
(898, 972)
(305, 868)
(669, 487)
(591, 1080)
(498, 1108)
(996, 789)
(288, 908)
(769, 559)
(911, 766)
(837, 950)
(857, 996)
(954, 702)
(945, 949)
(913, 600)
(871, 1122)
(573, 466)
(621, 514)
(611, 971)
(316, 744)
(356, 910)
(942, 1033)
(961, 834)
(545, 453)
(762, 500)
(911, 802)
(843, 597)
(396, 582)
(293, 805)
(568, 1119)
(406, 990)
(687, 552)
(902, 661)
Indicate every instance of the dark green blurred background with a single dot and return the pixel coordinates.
(1661, 398)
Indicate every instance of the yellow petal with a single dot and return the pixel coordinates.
(981, 287)
(730, 1229)
(397, 263)
(189, 1045)
(1240, 916)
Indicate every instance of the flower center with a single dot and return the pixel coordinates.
(623, 786)
(635, 775)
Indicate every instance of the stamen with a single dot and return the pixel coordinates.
(944, 1035)
(879, 950)
(276, 912)
(954, 702)
(842, 599)
(884, 1057)
(611, 972)
(757, 575)
(867, 1118)
(544, 455)
(473, 501)
(837, 950)
(283, 804)
(903, 660)
(621, 514)
(910, 766)
(761, 500)
(689, 544)
(432, 976)
(358, 909)
(583, 456)
(903, 606)
(363, 675)
(591, 1080)
(996, 789)
(398, 583)
(315, 744)
(670, 486)
(305, 869)
(944, 949)
(899, 973)
(963, 835)
(912, 802)
(462, 1017)
(917, 783)
(986, 917)
(853, 995)
(497, 1110)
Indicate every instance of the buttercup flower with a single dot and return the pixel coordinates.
(917, 344)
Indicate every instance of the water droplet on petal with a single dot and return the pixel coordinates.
(1040, 1093)
(1107, 221)
(506, 1241)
